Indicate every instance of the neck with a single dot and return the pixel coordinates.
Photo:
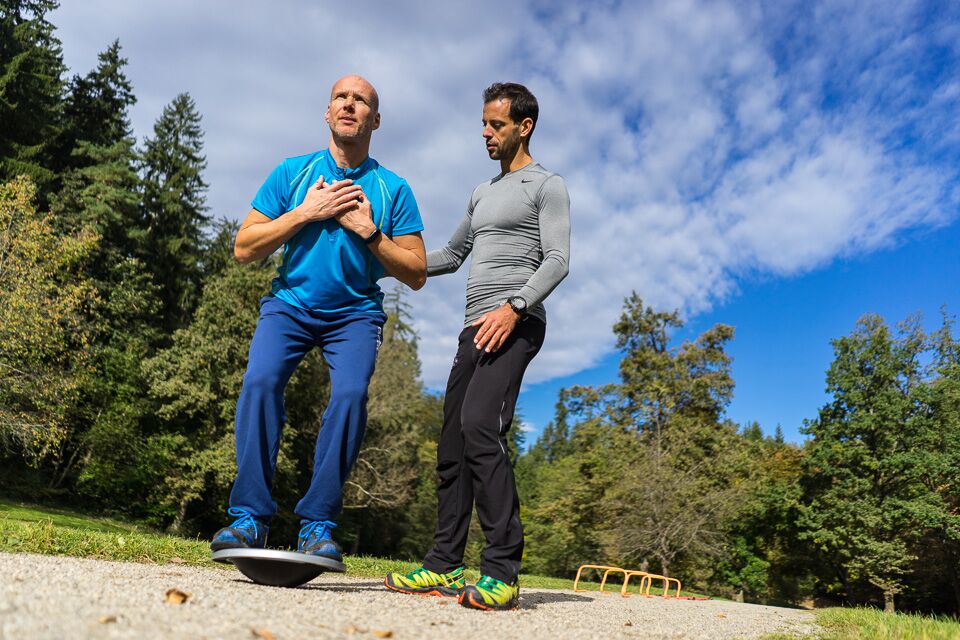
(519, 160)
(349, 154)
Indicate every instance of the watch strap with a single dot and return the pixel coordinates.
(373, 236)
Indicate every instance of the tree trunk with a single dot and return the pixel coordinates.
(955, 581)
(665, 566)
(177, 525)
(355, 548)
(888, 606)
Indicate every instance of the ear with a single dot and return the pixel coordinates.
(376, 121)
(526, 128)
(326, 115)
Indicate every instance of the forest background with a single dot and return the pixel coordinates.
(124, 326)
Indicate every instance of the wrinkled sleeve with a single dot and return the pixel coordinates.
(406, 213)
(554, 202)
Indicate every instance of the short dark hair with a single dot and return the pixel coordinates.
(523, 104)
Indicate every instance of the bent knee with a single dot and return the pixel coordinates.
(349, 394)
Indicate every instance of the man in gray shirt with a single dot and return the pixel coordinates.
(518, 229)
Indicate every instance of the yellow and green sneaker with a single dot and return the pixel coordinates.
(423, 582)
(491, 594)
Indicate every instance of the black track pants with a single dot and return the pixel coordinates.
(472, 461)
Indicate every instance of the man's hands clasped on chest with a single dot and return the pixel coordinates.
(495, 327)
(324, 201)
(359, 218)
(342, 200)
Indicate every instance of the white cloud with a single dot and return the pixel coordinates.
(701, 141)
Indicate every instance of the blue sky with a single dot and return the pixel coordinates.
(783, 166)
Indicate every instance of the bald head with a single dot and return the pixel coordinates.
(353, 112)
(357, 84)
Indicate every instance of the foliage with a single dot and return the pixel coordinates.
(196, 382)
(864, 464)
(44, 338)
(652, 472)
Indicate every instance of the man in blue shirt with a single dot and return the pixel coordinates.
(344, 222)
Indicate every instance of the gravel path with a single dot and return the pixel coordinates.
(58, 597)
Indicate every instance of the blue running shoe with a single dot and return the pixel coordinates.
(246, 532)
(316, 538)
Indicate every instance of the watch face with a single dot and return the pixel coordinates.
(518, 303)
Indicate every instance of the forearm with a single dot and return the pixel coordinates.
(404, 259)
(554, 223)
(544, 280)
(442, 261)
(258, 239)
(449, 259)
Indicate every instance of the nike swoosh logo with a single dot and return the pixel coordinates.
(525, 181)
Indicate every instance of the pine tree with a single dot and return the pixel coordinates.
(31, 90)
(173, 209)
(96, 108)
(99, 184)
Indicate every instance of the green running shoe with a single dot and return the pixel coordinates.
(490, 594)
(423, 582)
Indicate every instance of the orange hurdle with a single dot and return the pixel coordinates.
(599, 567)
(646, 580)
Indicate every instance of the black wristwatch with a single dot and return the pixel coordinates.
(518, 304)
(372, 236)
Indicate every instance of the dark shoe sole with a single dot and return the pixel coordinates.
(220, 546)
(440, 592)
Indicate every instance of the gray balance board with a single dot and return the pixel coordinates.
(278, 568)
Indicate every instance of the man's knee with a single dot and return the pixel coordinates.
(263, 381)
(480, 430)
(352, 393)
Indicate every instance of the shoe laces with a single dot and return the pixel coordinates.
(319, 528)
(244, 520)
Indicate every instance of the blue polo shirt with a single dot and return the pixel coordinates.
(327, 269)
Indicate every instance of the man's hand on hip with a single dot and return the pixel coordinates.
(495, 327)
(324, 201)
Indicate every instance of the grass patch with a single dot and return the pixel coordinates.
(873, 624)
(34, 529)
(61, 517)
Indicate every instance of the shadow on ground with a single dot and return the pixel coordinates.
(532, 600)
(351, 587)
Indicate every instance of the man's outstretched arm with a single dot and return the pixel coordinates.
(449, 259)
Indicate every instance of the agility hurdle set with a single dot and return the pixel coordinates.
(646, 580)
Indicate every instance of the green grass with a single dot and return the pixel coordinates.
(873, 624)
(51, 531)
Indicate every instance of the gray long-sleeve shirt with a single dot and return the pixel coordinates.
(518, 228)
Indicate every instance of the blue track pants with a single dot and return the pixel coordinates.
(283, 337)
